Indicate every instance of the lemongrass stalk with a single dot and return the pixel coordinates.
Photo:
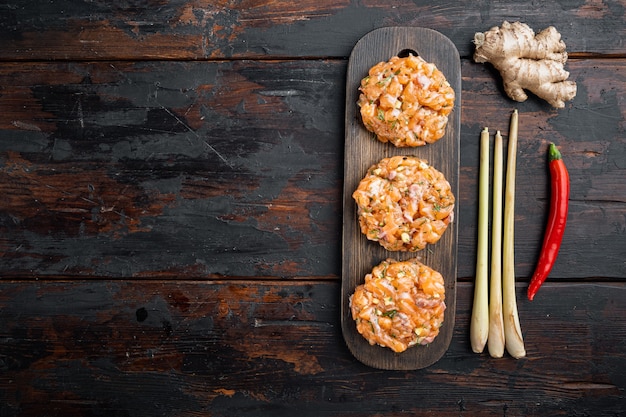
(479, 325)
(495, 341)
(514, 341)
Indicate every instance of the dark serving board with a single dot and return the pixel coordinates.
(361, 151)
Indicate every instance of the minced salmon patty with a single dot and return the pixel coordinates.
(399, 305)
(406, 101)
(404, 204)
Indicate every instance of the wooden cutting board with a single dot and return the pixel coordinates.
(362, 150)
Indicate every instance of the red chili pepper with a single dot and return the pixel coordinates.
(559, 200)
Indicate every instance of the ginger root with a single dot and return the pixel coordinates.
(527, 61)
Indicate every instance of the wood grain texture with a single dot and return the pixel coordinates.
(113, 169)
(361, 152)
(119, 169)
(171, 213)
(200, 29)
(270, 348)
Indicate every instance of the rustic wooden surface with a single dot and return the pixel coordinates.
(170, 223)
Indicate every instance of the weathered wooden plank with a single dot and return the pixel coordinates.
(235, 168)
(591, 135)
(179, 29)
(224, 168)
(257, 348)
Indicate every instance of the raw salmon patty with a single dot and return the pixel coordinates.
(404, 204)
(400, 304)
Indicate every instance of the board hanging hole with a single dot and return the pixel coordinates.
(406, 52)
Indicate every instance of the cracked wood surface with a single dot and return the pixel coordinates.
(226, 348)
(235, 169)
(201, 29)
(171, 176)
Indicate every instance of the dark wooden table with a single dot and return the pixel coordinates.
(170, 223)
